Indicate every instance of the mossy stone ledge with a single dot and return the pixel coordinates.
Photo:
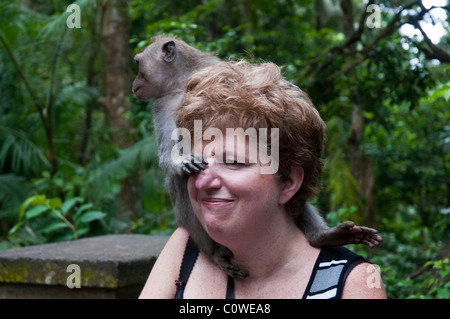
(113, 266)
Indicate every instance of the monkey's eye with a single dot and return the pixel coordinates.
(134, 65)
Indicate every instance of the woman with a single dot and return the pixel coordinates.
(250, 212)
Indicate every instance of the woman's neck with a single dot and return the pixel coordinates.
(272, 251)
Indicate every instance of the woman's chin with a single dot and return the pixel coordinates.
(218, 229)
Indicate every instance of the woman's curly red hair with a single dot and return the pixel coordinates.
(240, 94)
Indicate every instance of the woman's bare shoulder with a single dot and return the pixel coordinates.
(364, 282)
(161, 282)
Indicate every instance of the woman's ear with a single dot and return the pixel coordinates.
(291, 185)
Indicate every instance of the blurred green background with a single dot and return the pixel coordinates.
(78, 155)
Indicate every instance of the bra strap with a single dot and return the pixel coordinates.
(189, 259)
(230, 288)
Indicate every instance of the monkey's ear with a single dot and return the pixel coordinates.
(169, 51)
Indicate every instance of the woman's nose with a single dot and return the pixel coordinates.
(210, 177)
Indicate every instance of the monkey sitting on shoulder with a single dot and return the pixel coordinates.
(164, 66)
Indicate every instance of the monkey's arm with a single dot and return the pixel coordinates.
(164, 122)
(347, 233)
(164, 127)
(320, 235)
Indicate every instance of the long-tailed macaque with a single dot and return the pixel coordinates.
(164, 67)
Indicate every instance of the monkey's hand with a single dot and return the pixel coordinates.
(348, 233)
(192, 164)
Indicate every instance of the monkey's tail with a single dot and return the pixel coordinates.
(222, 256)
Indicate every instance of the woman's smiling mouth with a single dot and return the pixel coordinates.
(211, 202)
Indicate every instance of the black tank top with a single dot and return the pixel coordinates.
(326, 282)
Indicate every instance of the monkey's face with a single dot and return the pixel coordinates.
(140, 83)
(156, 72)
(149, 80)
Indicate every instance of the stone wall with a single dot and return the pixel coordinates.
(113, 266)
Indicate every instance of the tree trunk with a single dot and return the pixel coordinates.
(360, 165)
(118, 82)
(348, 20)
(248, 16)
(321, 14)
(95, 19)
(118, 85)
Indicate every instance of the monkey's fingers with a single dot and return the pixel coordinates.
(191, 168)
(198, 159)
(371, 240)
(368, 230)
(186, 170)
(193, 164)
(204, 162)
(370, 237)
(375, 240)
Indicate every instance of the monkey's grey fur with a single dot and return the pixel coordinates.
(164, 67)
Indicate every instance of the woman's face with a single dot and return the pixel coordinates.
(233, 198)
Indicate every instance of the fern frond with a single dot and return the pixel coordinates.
(24, 155)
(13, 191)
(143, 154)
(78, 94)
(58, 24)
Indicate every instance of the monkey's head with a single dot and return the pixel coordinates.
(158, 73)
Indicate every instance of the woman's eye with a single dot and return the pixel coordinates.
(231, 163)
(235, 163)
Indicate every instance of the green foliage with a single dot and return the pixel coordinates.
(341, 185)
(82, 176)
(20, 152)
(336, 217)
(51, 220)
(439, 285)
